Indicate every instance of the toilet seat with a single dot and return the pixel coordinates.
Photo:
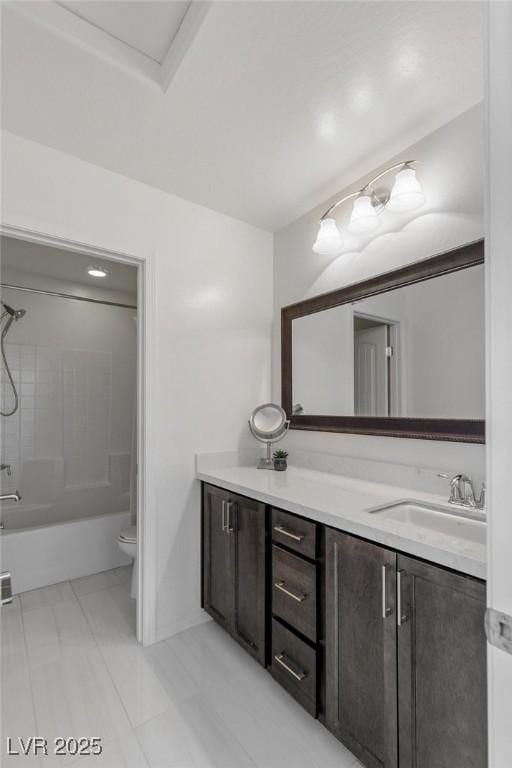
(129, 535)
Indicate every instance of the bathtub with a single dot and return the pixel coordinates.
(38, 555)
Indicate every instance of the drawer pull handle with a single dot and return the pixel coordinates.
(385, 610)
(299, 676)
(401, 618)
(281, 587)
(291, 535)
(229, 528)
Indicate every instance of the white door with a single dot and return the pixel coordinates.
(371, 372)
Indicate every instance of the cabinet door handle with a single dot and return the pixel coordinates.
(385, 610)
(229, 528)
(299, 676)
(223, 515)
(401, 618)
(281, 587)
(291, 534)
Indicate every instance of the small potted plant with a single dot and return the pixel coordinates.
(280, 457)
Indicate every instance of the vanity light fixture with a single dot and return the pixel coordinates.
(329, 240)
(97, 271)
(406, 195)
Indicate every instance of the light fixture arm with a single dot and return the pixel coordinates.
(368, 186)
(339, 202)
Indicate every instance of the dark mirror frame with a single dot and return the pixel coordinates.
(455, 430)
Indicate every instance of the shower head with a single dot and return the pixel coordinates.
(17, 314)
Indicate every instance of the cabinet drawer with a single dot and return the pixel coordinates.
(294, 591)
(294, 666)
(294, 532)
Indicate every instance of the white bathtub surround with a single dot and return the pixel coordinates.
(70, 657)
(74, 365)
(343, 502)
(45, 555)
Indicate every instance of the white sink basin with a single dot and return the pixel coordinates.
(469, 525)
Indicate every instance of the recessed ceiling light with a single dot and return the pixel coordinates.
(97, 271)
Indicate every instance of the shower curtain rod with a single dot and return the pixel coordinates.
(68, 296)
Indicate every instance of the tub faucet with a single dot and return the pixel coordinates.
(6, 467)
(10, 496)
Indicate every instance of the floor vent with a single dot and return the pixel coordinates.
(6, 588)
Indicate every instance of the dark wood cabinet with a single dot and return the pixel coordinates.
(295, 607)
(360, 648)
(442, 711)
(294, 666)
(405, 658)
(388, 650)
(218, 587)
(234, 566)
(294, 588)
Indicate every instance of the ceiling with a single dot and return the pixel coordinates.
(32, 259)
(273, 107)
(149, 26)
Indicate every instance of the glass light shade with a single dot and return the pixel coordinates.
(407, 194)
(329, 240)
(364, 217)
(97, 272)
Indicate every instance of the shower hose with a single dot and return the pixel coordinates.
(6, 364)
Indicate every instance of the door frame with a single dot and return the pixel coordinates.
(396, 391)
(146, 596)
(498, 233)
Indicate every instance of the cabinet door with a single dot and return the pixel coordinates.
(441, 668)
(247, 531)
(360, 648)
(218, 586)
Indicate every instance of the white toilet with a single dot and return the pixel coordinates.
(127, 541)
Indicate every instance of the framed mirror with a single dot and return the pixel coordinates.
(400, 355)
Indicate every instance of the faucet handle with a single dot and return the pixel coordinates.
(6, 467)
(482, 501)
(457, 494)
(469, 493)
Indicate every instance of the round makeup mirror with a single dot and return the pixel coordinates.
(268, 424)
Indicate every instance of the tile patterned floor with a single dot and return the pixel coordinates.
(71, 666)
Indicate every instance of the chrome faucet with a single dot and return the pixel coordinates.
(7, 467)
(10, 496)
(482, 501)
(462, 493)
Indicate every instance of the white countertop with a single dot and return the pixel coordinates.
(342, 502)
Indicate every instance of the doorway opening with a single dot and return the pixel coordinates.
(71, 434)
(376, 366)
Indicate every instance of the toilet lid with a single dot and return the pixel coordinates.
(129, 534)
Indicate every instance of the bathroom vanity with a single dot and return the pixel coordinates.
(374, 625)
(367, 601)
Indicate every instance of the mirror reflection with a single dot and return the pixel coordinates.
(416, 351)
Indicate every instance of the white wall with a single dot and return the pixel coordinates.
(445, 342)
(451, 173)
(499, 367)
(210, 325)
